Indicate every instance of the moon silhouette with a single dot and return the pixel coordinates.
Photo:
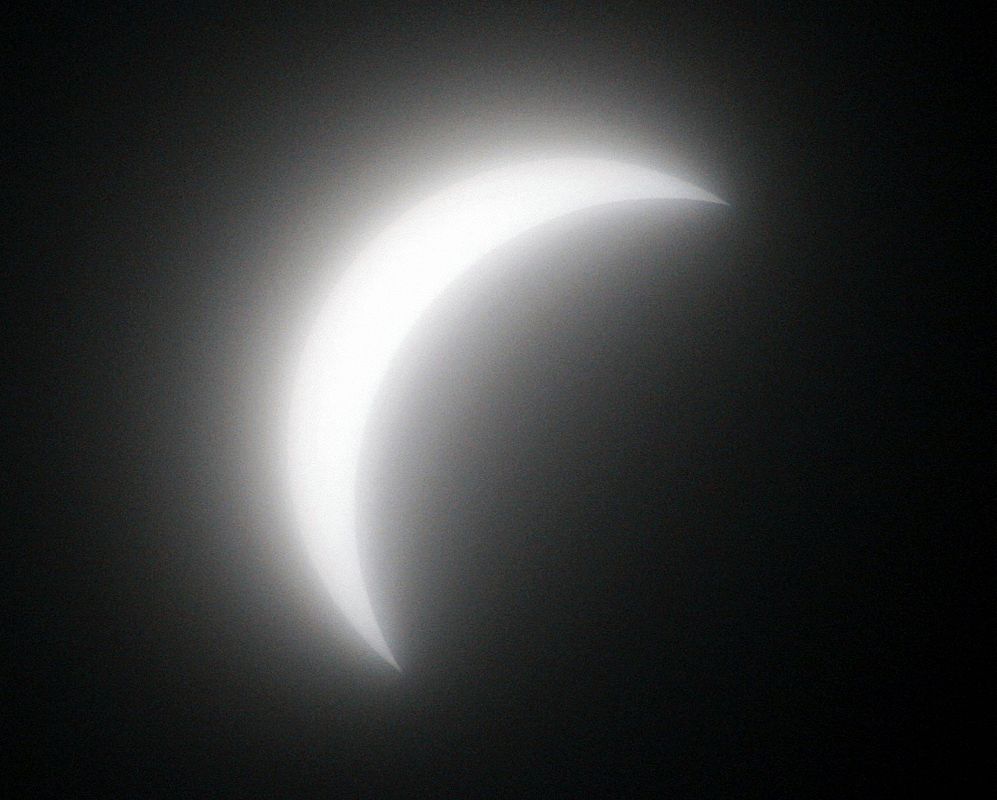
(375, 305)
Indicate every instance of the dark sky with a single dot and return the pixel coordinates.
(666, 501)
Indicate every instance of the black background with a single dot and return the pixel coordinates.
(669, 501)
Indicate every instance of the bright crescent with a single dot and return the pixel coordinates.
(377, 303)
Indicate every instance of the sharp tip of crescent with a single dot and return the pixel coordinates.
(701, 195)
(382, 650)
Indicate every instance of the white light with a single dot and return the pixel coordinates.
(375, 305)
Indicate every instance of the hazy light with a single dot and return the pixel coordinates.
(375, 305)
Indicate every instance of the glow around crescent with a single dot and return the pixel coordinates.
(377, 303)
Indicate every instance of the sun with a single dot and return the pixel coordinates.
(378, 302)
